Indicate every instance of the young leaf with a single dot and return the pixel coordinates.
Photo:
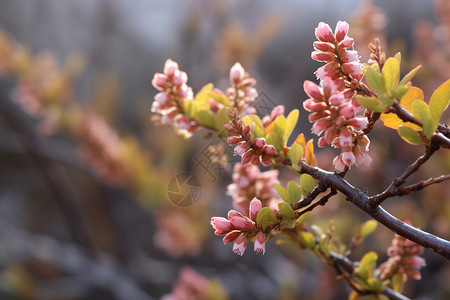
(284, 194)
(367, 265)
(273, 138)
(421, 111)
(371, 103)
(397, 282)
(439, 101)
(286, 211)
(410, 75)
(221, 119)
(294, 192)
(310, 156)
(391, 74)
(307, 182)
(206, 118)
(265, 218)
(295, 154)
(220, 98)
(410, 135)
(307, 239)
(367, 228)
(280, 128)
(374, 79)
(255, 124)
(291, 122)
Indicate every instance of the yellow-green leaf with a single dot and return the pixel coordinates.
(307, 182)
(413, 94)
(265, 218)
(284, 194)
(371, 103)
(273, 138)
(410, 75)
(291, 122)
(280, 127)
(439, 101)
(220, 98)
(307, 239)
(286, 211)
(221, 119)
(410, 135)
(296, 154)
(391, 74)
(367, 228)
(255, 123)
(374, 79)
(206, 118)
(367, 265)
(295, 192)
(421, 111)
(398, 281)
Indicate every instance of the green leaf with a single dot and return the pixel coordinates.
(255, 124)
(390, 74)
(303, 217)
(398, 57)
(206, 118)
(421, 111)
(385, 99)
(367, 228)
(187, 107)
(375, 285)
(439, 102)
(401, 91)
(398, 282)
(265, 218)
(317, 230)
(367, 265)
(307, 182)
(307, 239)
(410, 135)
(220, 98)
(374, 79)
(291, 122)
(221, 119)
(280, 128)
(295, 192)
(296, 154)
(273, 138)
(286, 211)
(371, 103)
(410, 75)
(284, 194)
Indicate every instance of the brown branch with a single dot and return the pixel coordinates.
(423, 184)
(361, 200)
(393, 190)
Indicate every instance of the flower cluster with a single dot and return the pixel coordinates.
(332, 49)
(254, 152)
(100, 149)
(240, 229)
(403, 259)
(169, 102)
(242, 92)
(332, 106)
(250, 182)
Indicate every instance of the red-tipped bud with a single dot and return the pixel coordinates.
(233, 140)
(341, 30)
(221, 225)
(260, 242)
(237, 73)
(247, 157)
(259, 143)
(358, 123)
(170, 67)
(324, 33)
(270, 150)
(313, 90)
(255, 207)
(323, 56)
(325, 47)
(240, 244)
(231, 237)
(242, 148)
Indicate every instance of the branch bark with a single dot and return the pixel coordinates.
(361, 200)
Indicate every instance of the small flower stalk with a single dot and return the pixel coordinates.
(239, 229)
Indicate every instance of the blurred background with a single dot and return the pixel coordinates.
(87, 206)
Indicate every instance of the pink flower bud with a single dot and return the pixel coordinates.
(240, 244)
(179, 77)
(229, 128)
(312, 105)
(313, 90)
(359, 123)
(260, 242)
(242, 223)
(255, 160)
(246, 132)
(416, 261)
(352, 56)
(338, 164)
(241, 148)
(159, 81)
(325, 47)
(232, 140)
(331, 134)
(231, 236)
(322, 142)
(247, 157)
(323, 56)
(259, 143)
(232, 213)
(363, 159)
(346, 138)
(255, 207)
(345, 43)
(347, 111)
(237, 73)
(221, 225)
(266, 159)
(169, 67)
(337, 99)
(324, 33)
(270, 150)
(277, 111)
(348, 158)
(320, 126)
(341, 30)
(353, 68)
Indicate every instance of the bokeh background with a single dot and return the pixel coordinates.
(68, 230)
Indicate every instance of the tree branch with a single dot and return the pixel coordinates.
(361, 200)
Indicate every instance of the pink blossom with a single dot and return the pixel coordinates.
(324, 33)
(221, 225)
(260, 242)
(255, 207)
(237, 73)
(240, 244)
